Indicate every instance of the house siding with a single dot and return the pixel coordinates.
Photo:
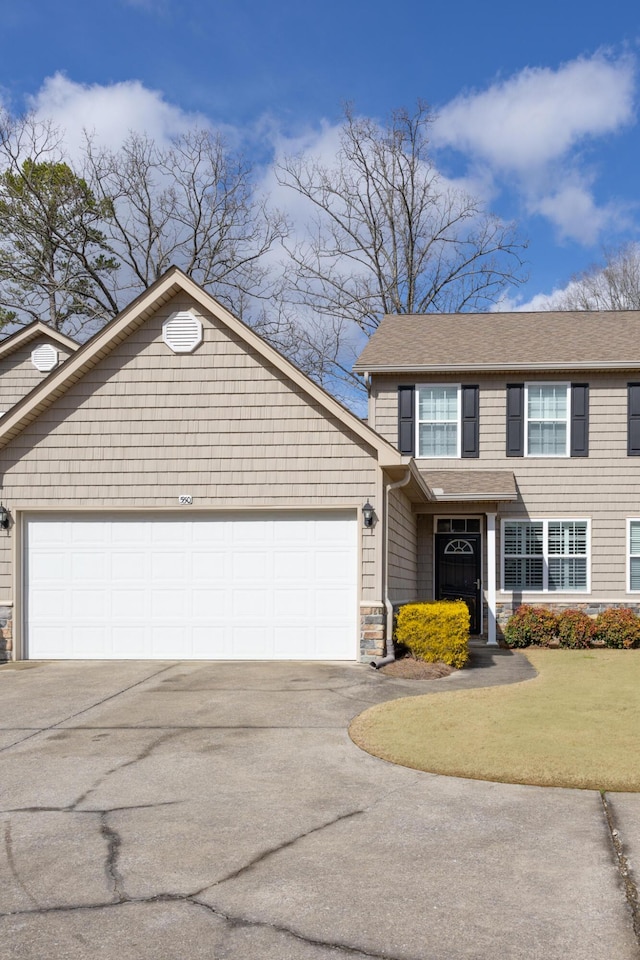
(17, 373)
(403, 549)
(221, 424)
(603, 487)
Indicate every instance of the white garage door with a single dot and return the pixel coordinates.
(255, 586)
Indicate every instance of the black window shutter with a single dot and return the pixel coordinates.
(633, 420)
(406, 420)
(470, 420)
(579, 419)
(515, 420)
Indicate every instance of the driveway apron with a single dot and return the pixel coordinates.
(219, 810)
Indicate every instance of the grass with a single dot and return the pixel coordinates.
(577, 724)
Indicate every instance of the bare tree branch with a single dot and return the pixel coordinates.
(613, 284)
(387, 235)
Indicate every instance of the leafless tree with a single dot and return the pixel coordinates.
(613, 284)
(387, 234)
(193, 204)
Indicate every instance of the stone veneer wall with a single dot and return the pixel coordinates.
(6, 633)
(372, 631)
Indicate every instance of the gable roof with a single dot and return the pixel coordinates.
(551, 340)
(34, 331)
(145, 305)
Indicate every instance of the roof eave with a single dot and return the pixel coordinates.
(496, 367)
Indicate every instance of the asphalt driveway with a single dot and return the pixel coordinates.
(219, 810)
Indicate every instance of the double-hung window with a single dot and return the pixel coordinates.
(438, 409)
(546, 555)
(547, 419)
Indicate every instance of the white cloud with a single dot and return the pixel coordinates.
(528, 131)
(538, 115)
(540, 301)
(111, 111)
(573, 211)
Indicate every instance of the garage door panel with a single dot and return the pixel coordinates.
(233, 586)
(88, 604)
(250, 603)
(208, 567)
(334, 566)
(247, 564)
(125, 640)
(89, 566)
(291, 603)
(85, 637)
(335, 602)
(128, 604)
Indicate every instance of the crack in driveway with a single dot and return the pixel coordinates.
(8, 845)
(234, 921)
(114, 842)
(142, 755)
(261, 857)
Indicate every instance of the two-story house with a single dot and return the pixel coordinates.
(526, 429)
(176, 489)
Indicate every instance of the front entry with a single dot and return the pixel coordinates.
(458, 566)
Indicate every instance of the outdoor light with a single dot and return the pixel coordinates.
(4, 517)
(367, 514)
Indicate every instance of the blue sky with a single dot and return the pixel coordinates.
(536, 103)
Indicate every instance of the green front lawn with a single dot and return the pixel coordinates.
(577, 724)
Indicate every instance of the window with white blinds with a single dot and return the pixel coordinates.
(634, 555)
(547, 555)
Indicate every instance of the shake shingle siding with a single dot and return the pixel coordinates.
(221, 424)
(403, 549)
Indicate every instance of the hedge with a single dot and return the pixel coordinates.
(435, 630)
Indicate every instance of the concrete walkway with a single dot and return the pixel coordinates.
(153, 811)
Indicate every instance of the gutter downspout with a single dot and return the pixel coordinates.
(390, 654)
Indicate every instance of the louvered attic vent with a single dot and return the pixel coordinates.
(182, 332)
(44, 358)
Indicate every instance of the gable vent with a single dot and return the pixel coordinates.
(182, 332)
(44, 357)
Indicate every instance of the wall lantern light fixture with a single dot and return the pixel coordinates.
(368, 514)
(4, 517)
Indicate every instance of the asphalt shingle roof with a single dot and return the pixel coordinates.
(471, 484)
(504, 340)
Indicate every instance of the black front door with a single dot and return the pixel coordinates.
(458, 572)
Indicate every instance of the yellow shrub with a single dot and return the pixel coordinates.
(436, 630)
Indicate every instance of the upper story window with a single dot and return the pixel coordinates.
(438, 421)
(547, 419)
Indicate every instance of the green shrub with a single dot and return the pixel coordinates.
(437, 630)
(531, 626)
(575, 629)
(618, 627)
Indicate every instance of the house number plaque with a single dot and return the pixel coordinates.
(185, 498)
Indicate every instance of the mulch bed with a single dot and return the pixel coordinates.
(406, 668)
